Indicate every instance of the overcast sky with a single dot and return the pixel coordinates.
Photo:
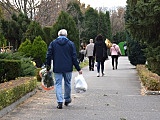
(104, 3)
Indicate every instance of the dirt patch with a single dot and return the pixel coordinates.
(14, 83)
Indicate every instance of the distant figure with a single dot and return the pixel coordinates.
(89, 54)
(63, 53)
(81, 54)
(114, 54)
(125, 49)
(100, 53)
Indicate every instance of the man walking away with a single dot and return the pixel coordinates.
(89, 54)
(63, 53)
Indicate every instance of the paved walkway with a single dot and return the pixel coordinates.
(116, 96)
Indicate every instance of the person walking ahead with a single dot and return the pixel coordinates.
(89, 54)
(63, 53)
(100, 53)
(114, 54)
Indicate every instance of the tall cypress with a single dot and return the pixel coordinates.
(144, 26)
(91, 24)
(65, 21)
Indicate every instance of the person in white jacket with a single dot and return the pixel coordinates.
(89, 54)
(114, 50)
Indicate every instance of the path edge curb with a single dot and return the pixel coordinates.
(11, 107)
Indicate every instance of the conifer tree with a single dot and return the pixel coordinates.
(144, 26)
(91, 24)
(34, 30)
(65, 21)
(25, 48)
(38, 51)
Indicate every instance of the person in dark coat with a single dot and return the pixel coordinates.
(63, 53)
(100, 53)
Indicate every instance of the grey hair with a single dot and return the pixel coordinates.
(62, 32)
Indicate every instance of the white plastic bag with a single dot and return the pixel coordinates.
(80, 84)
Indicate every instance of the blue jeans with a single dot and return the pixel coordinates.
(67, 86)
(100, 64)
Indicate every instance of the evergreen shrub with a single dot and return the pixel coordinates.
(9, 69)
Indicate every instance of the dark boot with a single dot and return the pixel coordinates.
(67, 102)
(60, 105)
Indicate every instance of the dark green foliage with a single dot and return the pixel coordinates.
(143, 24)
(74, 10)
(26, 69)
(102, 24)
(47, 34)
(91, 24)
(153, 59)
(9, 69)
(2, 38)
(34, 30)
(25, 48)
(39, 49)
(3, 41)
(108, 32)
(135, 52)
(120, 36)
(14, 30)
(65, 21)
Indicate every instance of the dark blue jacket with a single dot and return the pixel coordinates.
(63, 53)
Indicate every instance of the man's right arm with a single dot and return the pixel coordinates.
(49, 57)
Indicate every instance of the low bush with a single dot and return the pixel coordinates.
(150, 80)
(15, 89)
(27, 68)
(9, 69)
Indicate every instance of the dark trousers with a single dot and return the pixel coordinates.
(81, 57)
(100, 64)
(114, 60)
(91, 62)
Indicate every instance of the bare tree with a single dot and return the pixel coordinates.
(28, 7)
(117, 20)
(48, 11)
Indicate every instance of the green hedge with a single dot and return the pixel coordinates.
(9, 69)
(9, 96)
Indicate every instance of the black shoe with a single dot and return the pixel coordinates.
(66, 103)
(59, 105)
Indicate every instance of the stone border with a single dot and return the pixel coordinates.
(11, 107)
(148, 92)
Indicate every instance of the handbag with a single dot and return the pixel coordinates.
(119, 54)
